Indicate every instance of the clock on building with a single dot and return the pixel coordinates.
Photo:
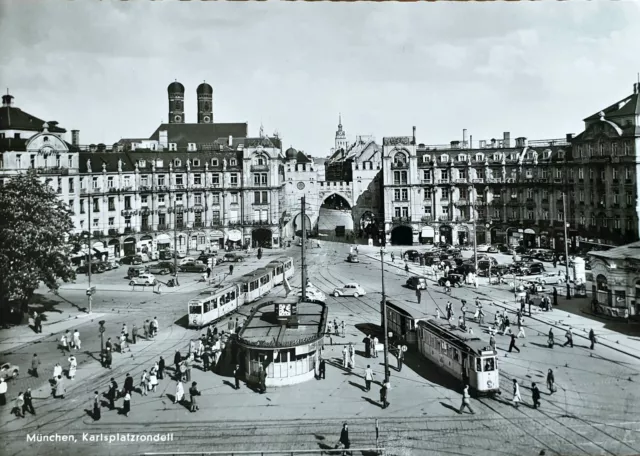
(300, 185)
(284, 310)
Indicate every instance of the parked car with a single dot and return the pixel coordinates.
(114, 264)
(492, 249)
(233, 257)
(456, 280)
(9, 371)
(95, 269)
(205, 257)
(417, 282)
(411, 255)
(353, 258)
(131, 259)
(186, 260)
(349, 289)
(133, 272)
(482, 247)
(162, 268)
(193, 267)
(313, 295)
(143, 279)
(551, 278)
(105, 265)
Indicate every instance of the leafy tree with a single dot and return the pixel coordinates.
(34, 240)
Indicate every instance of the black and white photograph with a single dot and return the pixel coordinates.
(319, 228)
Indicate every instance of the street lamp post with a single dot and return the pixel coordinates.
(384, 321)
(475, 235)
(175, 244)
(566, 245)
(89, 292)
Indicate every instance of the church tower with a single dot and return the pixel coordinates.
(341, 136)
(176, 102)
(205, 103)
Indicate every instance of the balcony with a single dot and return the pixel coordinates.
(53, 170)
(98, 233)
(462, 202)
(443, 181)
(400, 182)
(257, 168)
(400, 166)
(163, 226)
(495, 181)
(400, 219)
(445, 218)
(478, 180)
(427, 181)
(400, 200)
(233, 184)
(214, 185)
(461, 180)
(145, 188)
(113, 231)
(426, 219)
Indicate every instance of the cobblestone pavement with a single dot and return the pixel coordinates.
(592, 413)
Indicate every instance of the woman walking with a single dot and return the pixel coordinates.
(127, 404)
(96, 406)
(516, 394)
(73, 364)
(179, 392)
(550, 382)
(153, 380)
(144, 382)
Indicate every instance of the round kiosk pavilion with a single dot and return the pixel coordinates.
(284, 337)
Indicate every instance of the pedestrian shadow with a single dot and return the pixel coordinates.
(183, 402)
(540, 345)
(228, 383)
(371, 401)
(357, 385)
(449, 406)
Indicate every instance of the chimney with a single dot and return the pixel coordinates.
(521, 142)
(414, 136)
(7, 100)
(636, 88)
(230, 141)
(569, 137)
(464, 138)
(470, 141)
(493, 142)
(455, 144)
(75, 137)
(164, 138)
(506, 139)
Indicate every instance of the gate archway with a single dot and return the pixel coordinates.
(334, 211)
(297, 224)
(261, 237)
(446, 234)
(402, 235)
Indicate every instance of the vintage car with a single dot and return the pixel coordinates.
(313, 295)
(143, 279)
(9, 371)
(417, 282)
(162, 268)
(353, 258)
(349, 289)
(456, 280)
(193, 267)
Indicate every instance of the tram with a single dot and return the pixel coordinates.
(402, 318)
(255, 284)
(467, 358)
(282, 268)
(212, 305)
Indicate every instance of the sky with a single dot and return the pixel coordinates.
(535, 69)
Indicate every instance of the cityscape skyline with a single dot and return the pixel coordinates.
(382, 78)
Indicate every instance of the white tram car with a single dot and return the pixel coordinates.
(282, 268)
(465, 357)
(256, 284)
(210, 306)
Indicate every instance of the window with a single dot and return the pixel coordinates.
(144, 181)
(427, 211)
(71, 185)
(444, 158)
(162, 219)
(233, 180)
(214, 162)
(127, 181)
(112, 221)
(177, 162)
(617, 224)
(630, 199)
(427, 193)
(32, 161)
(399, 177)
(545, 215)
(19, 161)
(196, 162)
(94, 183)
(197, 198)
(583, 219)
(159, 163)
(615, 198)
(215, 215)
(197, 178)
(627, 147)
(529, 193)
(110, 181)
(627, 173)
(260, 179)
(560, 216)
(445, 211)
(233, 162)
(544, 173)
(405, 212)
(561, 155)
(70, 161)
(426, 174)
(581, 196)
(179, 198)
(179, 180)
(70, 205)
(558, 174)
(614, 173)
(112, 203)
(96, 223)
(260, 160)
(396, 194)
(58, 161)
(580, 173)
(142, 163)
(144, 200)
(82, 206)
(444, 174)
(400, 160)
(602, 174)
(463, 193)
(480, 173)
(462, 174)
(261, 197)
(234, 198)
(127, 202)
(96, 205)
(444, 194)
(215, 198)
(161, 199)
(530, 215)
(215, 179)
(161, 180)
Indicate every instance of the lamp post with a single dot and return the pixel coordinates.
(566, 245)
(89, 291)
(475, 235)
(384, 321)
(175, 244)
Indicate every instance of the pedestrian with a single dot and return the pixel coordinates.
(418, 293)
(60, 390)
(345, 357)
(342, 325)
(187, 366)
(535, 395)
(192, 346)
(236, 376)
(161, 366)
(128, 384)
(144, 382)
(368, 378)
(206, 361)
(20, 405)
(367, 346)
(108, 359)
(335, 327)
(492, 342)
(521, 328)
(592, 338)
(352, 356)
(400, 356)
(145, 329)
(38, 324)
(406, 267)
(96, 406)
(123, 342)
(466, 400)
(73, 364)
(344, 438)
(569, 336)
(263, 379)
(153, 380)
(57, 371)
(551, 340)
(516, 394)
(230, 269)
(512, 344)
(35, 363)
(179, 392)
(156, 326)
(551, 381)
(112, 393)
(384, 395)
(3, 392)
(507, 326)
(64, 342)
(134, 334)
(323, 368)
(177, 359)
(447, 286)
(126, 408)
(76, 340)
(193, 392)
(28, 403)
(375, 346)
(200, 348)
(108, 344)
(555, 297)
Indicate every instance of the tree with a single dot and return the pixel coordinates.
(35, 234)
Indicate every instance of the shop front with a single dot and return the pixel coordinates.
(234, 239)
(427, 235)
(216, 240)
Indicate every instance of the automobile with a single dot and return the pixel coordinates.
(95, 269)
(505, 249)
(9, 371)
(143, 279)
(482, 248)
(133, 272)
(233, 257)
(186, 260)
(417, 282)
(536, 268)
(411, 255)
(131, 259)
(520, 249)
(166, 254)
(349, 289)
(162, 268)
(353, 258)
(114, 264)
(205, 257)
(193, 267)
(313, 295)
(546, 256)
(456, 280)
(551, 278)
(492, 249)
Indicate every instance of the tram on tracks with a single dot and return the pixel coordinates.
(212, 305)
(402, 319)
(466, 358)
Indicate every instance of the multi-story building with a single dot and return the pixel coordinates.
(605, 186)
(189, 186)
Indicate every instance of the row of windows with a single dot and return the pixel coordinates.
(260, 160)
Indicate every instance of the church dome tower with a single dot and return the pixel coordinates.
(205, 103)
(341, 136)
(176, 102)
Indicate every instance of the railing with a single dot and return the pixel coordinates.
(163, 227)
(478, 180)
(399, 166)
(426, 181)
(461, 180)
(397, 182)
(53, 170)
(259, 167)
(443, 181)
(260, 203)
(426, 219)
(400, 219)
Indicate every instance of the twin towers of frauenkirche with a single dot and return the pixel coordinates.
(176, 103)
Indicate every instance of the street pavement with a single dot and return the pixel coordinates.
(593, 411)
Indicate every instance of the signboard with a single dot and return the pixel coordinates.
(234, 235)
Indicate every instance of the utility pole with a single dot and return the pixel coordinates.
(175, 243)
(384, 321)
(475, 235)
(566, 244)
(304, 246)
(89, 203)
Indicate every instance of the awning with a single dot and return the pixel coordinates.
(428, 232)
(234, 235)
(529, 231)
(163, 238)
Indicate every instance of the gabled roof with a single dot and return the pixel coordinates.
(12, 118)
(182, 134)
(628, 106)
(302, 158)
(629, 251)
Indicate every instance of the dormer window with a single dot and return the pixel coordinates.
(177, 162)
(479, 157)
(260, 160)
(142, 163)
(159, 163)
(426, 159)
(214, 162)
(496, 157)
(444, 158)
(173, 146)
(191, 147)
(233, 162)
(196, 162)
(561, 154)
(547, 154)
(462, 158)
